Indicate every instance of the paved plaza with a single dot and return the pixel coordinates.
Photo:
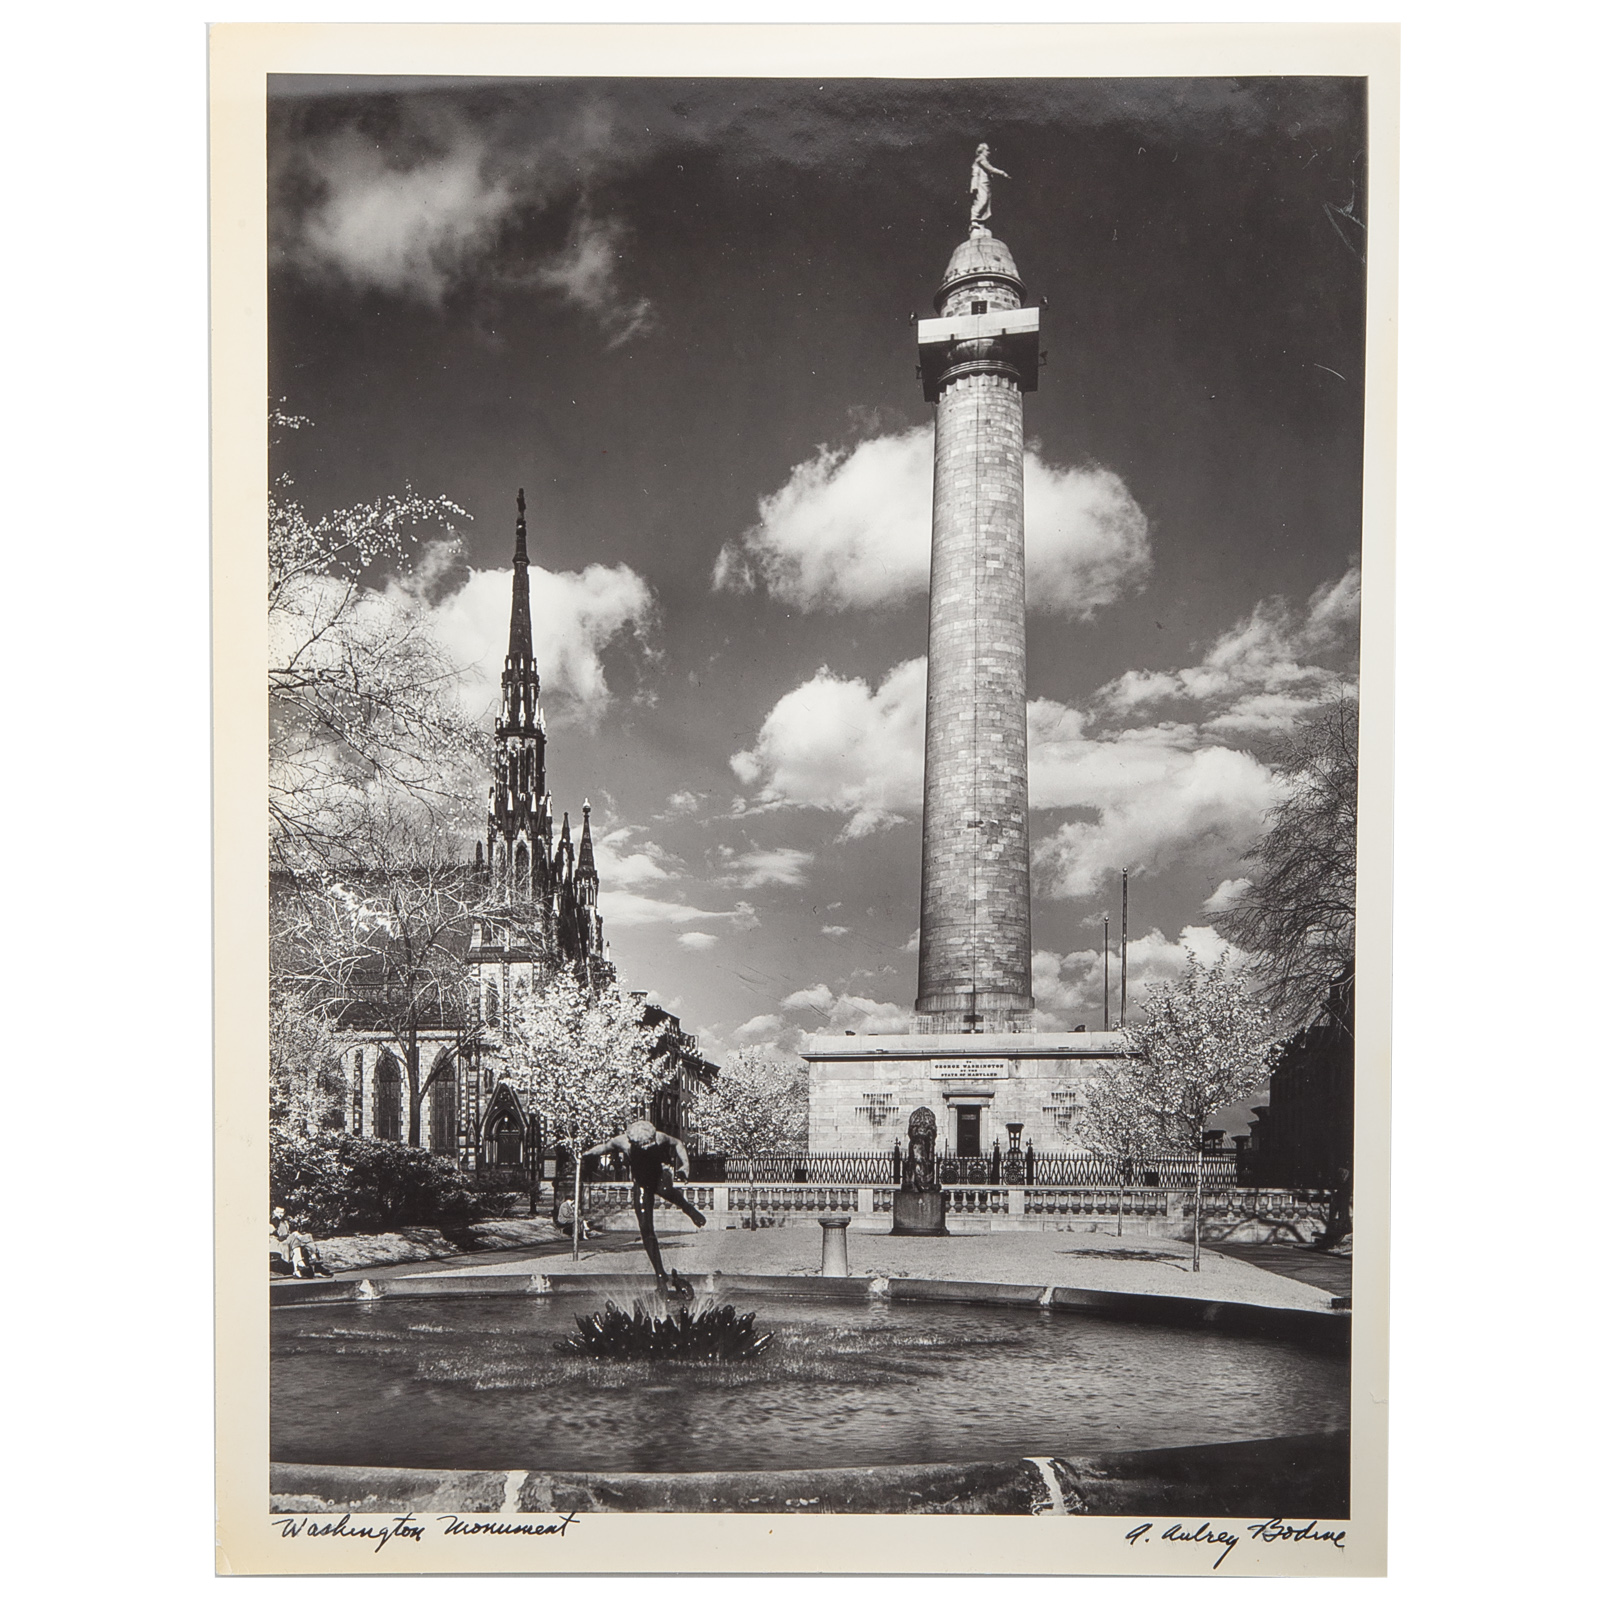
(1130, 1264)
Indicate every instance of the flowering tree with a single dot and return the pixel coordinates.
(305, 1085)
(1117, 1121)
(1205, 1043)
(586, 1060)
(759, 1104)
(360, 690)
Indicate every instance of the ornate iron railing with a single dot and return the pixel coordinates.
(810, 1166)
(1014, 1168)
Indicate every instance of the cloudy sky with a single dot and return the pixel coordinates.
(677, 313)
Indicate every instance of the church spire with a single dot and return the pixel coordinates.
(587, 877)
(520, 648)
(519, 682)
(519, 821)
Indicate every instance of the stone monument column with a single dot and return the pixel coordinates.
(979, 356)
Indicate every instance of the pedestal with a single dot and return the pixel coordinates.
(835, 1255)
(919, 1214)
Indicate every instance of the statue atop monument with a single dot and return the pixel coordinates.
(978, 186)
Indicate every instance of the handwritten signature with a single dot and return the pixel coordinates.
(1269, 1532)
(405, 1526)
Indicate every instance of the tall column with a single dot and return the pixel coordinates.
(979, 356)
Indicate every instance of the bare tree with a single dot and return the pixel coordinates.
(378, 947)
(360, 690)
(758, 1106)
(1298, 918)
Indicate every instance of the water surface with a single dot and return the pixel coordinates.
(477, 1382)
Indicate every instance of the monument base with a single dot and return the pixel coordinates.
(921, 1214)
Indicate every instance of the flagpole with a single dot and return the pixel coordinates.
(1105, 947)
(1122, 1006)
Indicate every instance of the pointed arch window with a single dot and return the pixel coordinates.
(442, 1112)
(386, 1100)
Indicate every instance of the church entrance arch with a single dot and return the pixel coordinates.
(505, 1134)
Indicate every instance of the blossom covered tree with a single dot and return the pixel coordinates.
(758, 1105)
(305, 1084)
(1204, 1043)
(586, 1060)
(361, 692)
(1117, 1121)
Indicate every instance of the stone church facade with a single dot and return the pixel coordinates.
(536, 898)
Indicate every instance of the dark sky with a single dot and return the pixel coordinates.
(653, 303)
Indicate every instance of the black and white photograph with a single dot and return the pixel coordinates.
(814, 729)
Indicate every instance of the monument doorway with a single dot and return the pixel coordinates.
(969, 1141)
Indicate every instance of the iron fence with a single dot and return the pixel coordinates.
(1015, 1168)
(810, 1166)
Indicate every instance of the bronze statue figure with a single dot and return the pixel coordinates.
(978, 186)
(920, 1175)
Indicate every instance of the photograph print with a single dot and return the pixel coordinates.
(813, 643)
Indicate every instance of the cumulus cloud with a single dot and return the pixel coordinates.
(408, 225)
(856, 1012)
(1068, 989)
(1264, 672)
(758, 1029)
(835, 930)
(853, 528)
(695, 940)
(755, 869)
(817, 998)
(1228, 893)
(1139, 791)
(1155, 800)
(421, 207)
(837, 744)
(578, 617)
(1155, 794)
(625, 908)
(626, 862)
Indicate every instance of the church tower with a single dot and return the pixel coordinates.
(979, 356)
(519, 808)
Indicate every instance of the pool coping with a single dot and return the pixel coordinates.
(1328, 1329)
(1295, 1476)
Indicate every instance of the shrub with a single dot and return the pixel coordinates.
(715, 1333)
(337, 1183)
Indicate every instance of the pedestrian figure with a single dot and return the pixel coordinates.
(299, 1248)
(648, 1152)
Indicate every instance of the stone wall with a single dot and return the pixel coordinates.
(864, 1104)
